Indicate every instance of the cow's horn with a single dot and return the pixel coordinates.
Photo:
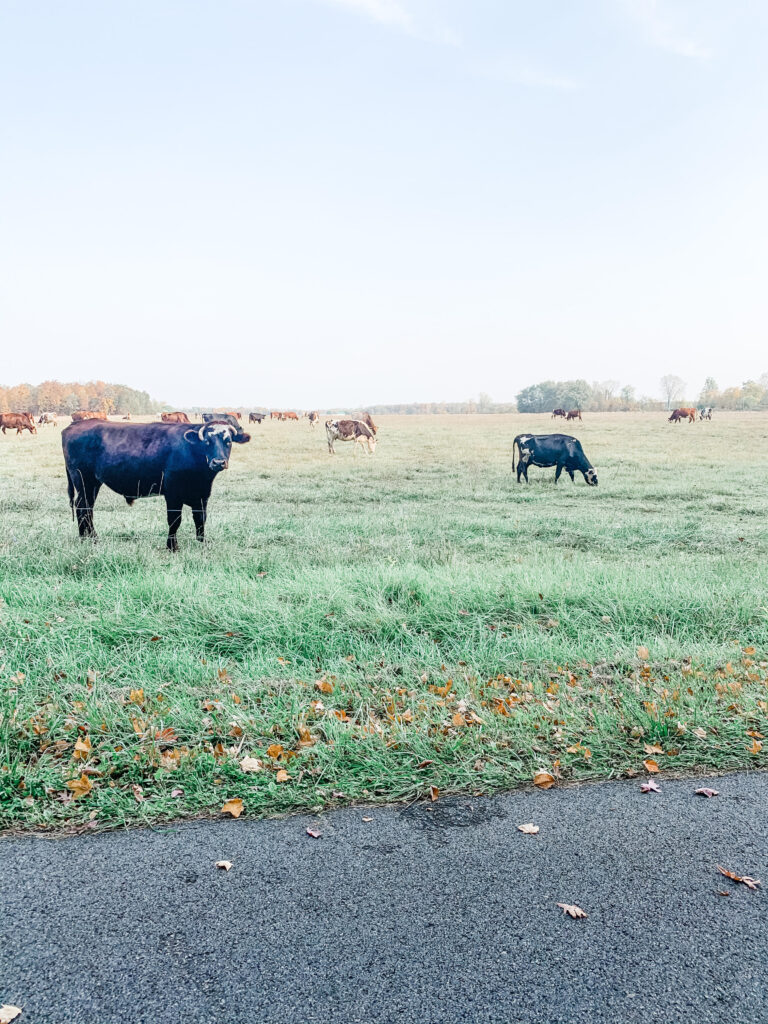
(200, 432)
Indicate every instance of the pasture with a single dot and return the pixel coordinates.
(370, 627)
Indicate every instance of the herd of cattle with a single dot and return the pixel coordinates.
(179, 459)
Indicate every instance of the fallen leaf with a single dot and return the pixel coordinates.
(274, 750)
(543, 780)
(80, 787)
(723, 892)
(650, 766)
(755, 748)
(458, 720)
(282, 776)
(138, 793)
(643, 653)
(225, 865)
(434, 793)
(82, 749)
(701, 733)
(649, 787)
(324, 686)
(572, 910)
(529, 830)
(251, 764)
(367, 819)
(706, 792)
(233, 807)
(314, 832)
(175, 793)
(653, 748)
(8, 1013)
(749, 650)
(751, 883)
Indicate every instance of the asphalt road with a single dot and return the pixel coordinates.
(436, 913)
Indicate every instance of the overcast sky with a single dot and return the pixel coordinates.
(330, 202)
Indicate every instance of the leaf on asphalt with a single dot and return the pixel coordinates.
(650, 766)
(80, 787)
(751, 883)
(314, 832)
(543, 780)
(225, 865)
(9, 1013)
(282, 776)
(367, 819)
(643, 653)
(653, 748)
(251, 764)
(529, 830)
(649, 787)
(233, 807)
(704, 791)
(572, 910)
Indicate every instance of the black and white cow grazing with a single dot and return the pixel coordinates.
(349, 430)
(705, 413)
(138, 460)
(546, 450)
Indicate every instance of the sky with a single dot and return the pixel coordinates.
(319, 203)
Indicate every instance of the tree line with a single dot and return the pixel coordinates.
(64, 398)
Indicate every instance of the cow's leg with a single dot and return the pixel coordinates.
(173, 508)
(558, 471)
(87, 490)
(200, 514)
(570, 474)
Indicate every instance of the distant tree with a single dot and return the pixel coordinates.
(672, 388)
(628, 398)
(531, 399)
(710, 393)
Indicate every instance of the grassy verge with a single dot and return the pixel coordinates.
(367, 629)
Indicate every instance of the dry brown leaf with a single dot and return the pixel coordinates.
(274, 750)
(136, 696)
(282, 776)
(314, 832)
(649, 787)
(251, 764)
(9, 1013)
(543, 780)
(650, 766)
(643, 653)
(138, 793)
(751, 883)
(701, 733)
(706, 792)
(80, 787)
(324, 686)
(233, 807)
(653, 748)
(458, 720)
(225, 865)
(755, 748)
(529, 830)
(749, 650)
(434, 793)
(82, 749)
(572, 910)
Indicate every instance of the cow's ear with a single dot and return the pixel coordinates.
(241, 438)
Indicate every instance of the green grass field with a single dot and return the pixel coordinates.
(366, 628)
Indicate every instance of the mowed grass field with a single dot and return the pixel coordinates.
(388, 627)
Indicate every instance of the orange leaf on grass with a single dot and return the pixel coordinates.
(233, 807)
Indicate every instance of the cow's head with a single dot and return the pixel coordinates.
(590, 475)
(217, 439)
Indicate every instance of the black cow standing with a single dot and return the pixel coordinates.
(178, 460)
(546, 450)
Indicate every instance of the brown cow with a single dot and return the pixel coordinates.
(349, 430)
(366, 418)
(314, 418)
(18, 421)
(678, 415)
(174, 417)
(574, 414)
(290, 416)
(84, 414)
(230, 412)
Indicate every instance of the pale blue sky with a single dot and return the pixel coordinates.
(329, 202)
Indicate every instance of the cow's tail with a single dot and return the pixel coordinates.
(71, 493)
(515, 444)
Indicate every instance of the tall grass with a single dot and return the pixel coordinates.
(385, 574)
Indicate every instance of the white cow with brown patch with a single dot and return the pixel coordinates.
(349, 430)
